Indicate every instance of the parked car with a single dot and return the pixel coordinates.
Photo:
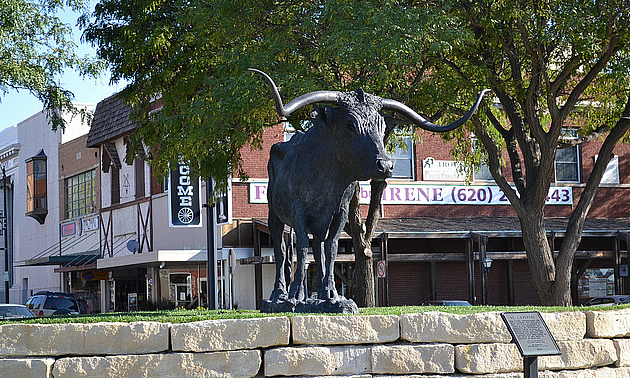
(14, 311)
(447, 302)
(47, 303)
(608, 300)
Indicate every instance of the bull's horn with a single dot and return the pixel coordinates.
(297, 103)
(417, 119)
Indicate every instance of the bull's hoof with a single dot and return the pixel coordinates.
(278, 295)
(271, 307)
(297, 293)
(329, 295)
(319, 306)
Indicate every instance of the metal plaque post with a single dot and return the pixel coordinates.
(5, 229)
(532, 337)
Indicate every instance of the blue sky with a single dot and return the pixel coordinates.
(18, 106)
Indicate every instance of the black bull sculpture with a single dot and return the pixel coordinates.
(313, 176)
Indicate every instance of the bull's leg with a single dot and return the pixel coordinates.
(288, 261)
(320, 261)
(297, 289)
(327, 289)
(276, 229)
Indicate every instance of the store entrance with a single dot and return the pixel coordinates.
(131, 281)
(180, 289)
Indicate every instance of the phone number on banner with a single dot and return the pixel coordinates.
(402, 194)
(422, 194)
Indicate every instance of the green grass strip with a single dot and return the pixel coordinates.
(199, 314)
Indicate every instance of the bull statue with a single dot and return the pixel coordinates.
(312, 178)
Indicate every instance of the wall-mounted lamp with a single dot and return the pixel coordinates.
(162, 265)
(487, 263)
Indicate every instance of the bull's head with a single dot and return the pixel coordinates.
(361, 111)
(357, 130)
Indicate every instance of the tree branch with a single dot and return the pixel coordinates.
(556, 85)
(494, 166)
(576, 93)
(583, 139)
(532, 93)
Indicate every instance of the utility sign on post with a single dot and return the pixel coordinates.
(184, 197)
(381, 270)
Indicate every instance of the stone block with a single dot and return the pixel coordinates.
(608, 324)
(413, 359)
(230, 334)
(582, 354)
(501, 358)
(623, 352)
(488, 358)
(343, 376)
(565, 326)
(321, 360)
(230, 364)
(604, 372)
(26, 367)
(83, 339)
(438, 327)
(328, 330)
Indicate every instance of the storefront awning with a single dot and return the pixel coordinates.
(156, 258)
(80, 259)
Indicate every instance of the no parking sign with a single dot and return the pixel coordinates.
(380, 269)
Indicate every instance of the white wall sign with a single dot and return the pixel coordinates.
(441, 170)
(90, 224)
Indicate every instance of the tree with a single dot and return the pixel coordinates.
(552, 65)
(547, 63)
(36, 47)
(193, 56)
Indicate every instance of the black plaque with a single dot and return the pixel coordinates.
(530, 334)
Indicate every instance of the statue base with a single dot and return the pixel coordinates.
(312, 306)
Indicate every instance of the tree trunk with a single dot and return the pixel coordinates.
(362, 235)
(552, 286)
(364, 289)
(552, 277)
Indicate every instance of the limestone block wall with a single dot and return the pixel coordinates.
(433, 344)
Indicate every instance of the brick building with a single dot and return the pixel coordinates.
(436, 229)
(435, 232)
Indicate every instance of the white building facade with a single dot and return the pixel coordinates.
(29, 154)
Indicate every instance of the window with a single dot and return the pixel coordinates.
(567, 161)
(80, 194)
(115, 189)
(483, 174)
(138, 164)
(36, 204)
(403, 159)
(611, 175)
(111, 160)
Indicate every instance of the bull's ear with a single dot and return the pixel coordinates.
(390, 125)
(322, 115)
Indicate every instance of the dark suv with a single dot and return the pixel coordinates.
(46, 303)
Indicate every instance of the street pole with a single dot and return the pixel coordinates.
(6, 238)
(211, 270)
